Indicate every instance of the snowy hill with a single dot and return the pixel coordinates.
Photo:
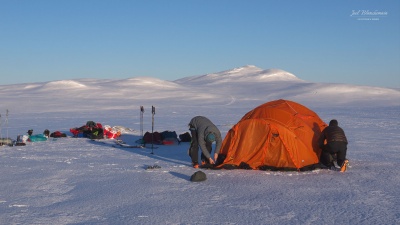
(247, 73)
(79, 181)
(273, 84)
(248, 84)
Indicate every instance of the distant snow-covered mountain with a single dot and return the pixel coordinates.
(244, 85)
(247, 73)
(253, 83)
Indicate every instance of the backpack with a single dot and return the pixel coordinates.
(57, 134)
(156, 137)
(95, 133)
(185, 137)
(90, 124)
(46, 133)
(6, 141)
(169, 135)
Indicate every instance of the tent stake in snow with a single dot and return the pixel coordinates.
(141, 120)
(153, 111)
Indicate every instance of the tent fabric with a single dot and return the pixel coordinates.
(280, 135)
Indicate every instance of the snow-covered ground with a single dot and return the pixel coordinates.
(79, 181)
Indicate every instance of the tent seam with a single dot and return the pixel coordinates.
(291, 156)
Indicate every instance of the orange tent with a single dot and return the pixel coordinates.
(277, 135)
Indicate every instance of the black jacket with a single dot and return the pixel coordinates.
(331, 134)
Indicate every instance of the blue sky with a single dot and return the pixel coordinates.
(318, 41)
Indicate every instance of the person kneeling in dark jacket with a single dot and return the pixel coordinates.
(336, 144)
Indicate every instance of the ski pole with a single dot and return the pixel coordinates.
(1, 133)
(7, 122)
(141, 120)
(153, 111)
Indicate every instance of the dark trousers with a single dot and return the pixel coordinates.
(194, 148)
(329, 150)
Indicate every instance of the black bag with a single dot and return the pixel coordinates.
(169, 135)
(57, 134)
(198, 177)
(155, 137)
(46, 133)
(95, 133)
(185, 137)
(91, 124)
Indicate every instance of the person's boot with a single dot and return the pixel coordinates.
(334, 168)
(344, 166)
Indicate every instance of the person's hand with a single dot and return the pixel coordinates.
(211, 161)
(216, 157)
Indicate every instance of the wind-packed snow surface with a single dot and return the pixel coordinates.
(79, 181)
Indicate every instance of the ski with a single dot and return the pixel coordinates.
(120, 143)
(127, 146)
